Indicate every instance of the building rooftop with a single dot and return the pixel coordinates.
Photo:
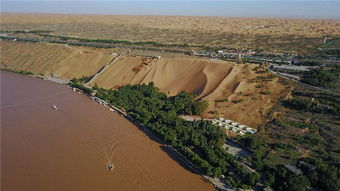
(293, 169)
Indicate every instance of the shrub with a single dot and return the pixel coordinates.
(265, 92)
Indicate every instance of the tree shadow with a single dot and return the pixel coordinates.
(173, 154)
(146, 130)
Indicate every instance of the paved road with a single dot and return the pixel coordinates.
(307, 85)
(105, 67)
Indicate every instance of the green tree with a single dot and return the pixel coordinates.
(217, 172)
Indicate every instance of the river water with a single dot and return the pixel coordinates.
(69, 148)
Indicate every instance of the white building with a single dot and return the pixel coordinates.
(233, 126)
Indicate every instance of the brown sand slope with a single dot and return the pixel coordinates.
(210, 80)
(68, 148)
(61, 60)
(170, 75)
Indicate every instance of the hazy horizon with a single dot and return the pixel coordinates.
(250, 8)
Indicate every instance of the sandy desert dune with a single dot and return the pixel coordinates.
(273, 34)
(211, 80)
(61, 60)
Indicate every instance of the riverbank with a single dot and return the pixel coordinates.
(218, 183)
(68, 148)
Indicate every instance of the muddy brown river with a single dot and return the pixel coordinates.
(69, 148)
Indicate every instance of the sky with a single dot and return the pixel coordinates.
(182, 0)
(226, 8)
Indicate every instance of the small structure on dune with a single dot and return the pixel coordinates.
(147, 61)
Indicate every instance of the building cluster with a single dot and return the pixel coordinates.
(268, 59)
(233, 126)
(293, 169)
(300, 167)
(245, 54)
(225, 53)
(290, 67)
(259, 26)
